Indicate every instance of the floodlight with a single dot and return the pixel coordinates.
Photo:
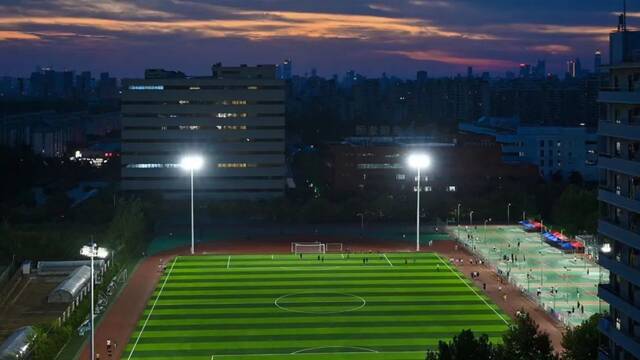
(419, 161)
(89, 251)
(192, 162)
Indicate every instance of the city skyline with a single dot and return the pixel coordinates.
(371, 37)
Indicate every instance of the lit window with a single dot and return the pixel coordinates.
(239, 102)
(252, 87)
(182, 102)
(400, 176)
(194, 87)
(451, 188)
(427, 188)
(152, 166)
(189, 127)
(146, 87)
(232, 165)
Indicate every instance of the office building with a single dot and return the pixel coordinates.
(619, 196)
(557, 151)
(597, 61)
(234, 118)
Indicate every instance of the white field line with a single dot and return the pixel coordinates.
(152, 307)
(472, 289)
(385, 256)
(298, 354)
(228, 261)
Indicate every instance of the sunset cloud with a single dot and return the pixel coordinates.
(448, 58)
(552, 49)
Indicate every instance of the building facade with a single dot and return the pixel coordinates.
(554, 150)
(619, 196)
(464, 166)
(233, 118)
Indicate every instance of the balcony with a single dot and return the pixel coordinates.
(625, 270)
(625, 166)
(612, 198)
(606, 293)
(620, 97)
(607, 328)
(624, 130)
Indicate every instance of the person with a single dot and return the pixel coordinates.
(484, 286)
(300, 255)
(405, 261)
(437, 267)
(318, 257)
(582, 309)
(363, 260)
(499, 288)
(504, 297)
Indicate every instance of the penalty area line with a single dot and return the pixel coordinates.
(385, 256)
(152, 307)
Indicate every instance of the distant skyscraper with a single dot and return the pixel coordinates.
(525, 70)
(574, 68)
(597, 61)
(540, 70)
(469, 71)
(284, 69)
(421, 76)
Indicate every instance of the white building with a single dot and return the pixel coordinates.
(234, 119)
(554, 150)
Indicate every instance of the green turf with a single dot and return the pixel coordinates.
(284, 307)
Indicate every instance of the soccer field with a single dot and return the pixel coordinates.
(396, 306)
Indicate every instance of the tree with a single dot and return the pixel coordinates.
(576, 210)
(581, 342)
(524, 341)
(464, 346)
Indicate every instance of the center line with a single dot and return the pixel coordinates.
(385, 256)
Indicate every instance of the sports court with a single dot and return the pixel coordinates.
(348, 306)
(574, 277)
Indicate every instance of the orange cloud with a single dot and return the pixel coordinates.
(257, 25)
(448, 58)
(552, 48)
(16, 35)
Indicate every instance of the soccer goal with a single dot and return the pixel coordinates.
(333, 247)
(308, 248)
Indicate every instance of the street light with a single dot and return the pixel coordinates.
(418, 161)
(471, 218)
(93, 251)
(459, 221)
(508, 213)
(192, 163)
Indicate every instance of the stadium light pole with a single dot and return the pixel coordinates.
(93, 251)
(192, 163)
(508, 213)
(418, 161)
(471, 218)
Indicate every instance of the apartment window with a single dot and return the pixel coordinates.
(231, 127)
(550, 143)
(521, 153)
(188, 127)
(230, 115)
(451, 188)
(183, 102)
(194, 87)
(541, 153)
(541, 143)
(427, 188)
(542, 163)
(401, 176)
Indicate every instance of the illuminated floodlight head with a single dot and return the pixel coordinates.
(94, 251)
(192, 162)
(606, 248)
(419, 161)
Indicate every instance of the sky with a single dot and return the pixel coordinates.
(398, 37)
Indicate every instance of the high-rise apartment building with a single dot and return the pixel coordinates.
(233, 118)
(619, 196)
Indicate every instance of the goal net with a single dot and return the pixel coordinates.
(333, 247)
(308, 248)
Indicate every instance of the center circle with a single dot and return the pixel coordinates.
(320, 302)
